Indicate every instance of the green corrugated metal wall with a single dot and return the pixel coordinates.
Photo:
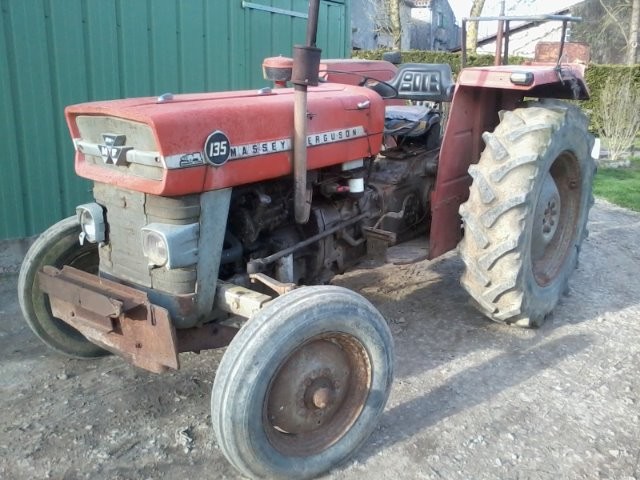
(58, 52)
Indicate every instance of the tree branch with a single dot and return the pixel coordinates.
(615, 21)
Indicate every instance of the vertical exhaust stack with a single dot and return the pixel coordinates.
(306, 64)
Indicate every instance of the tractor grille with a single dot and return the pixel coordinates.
(139, 157)
(126, 213)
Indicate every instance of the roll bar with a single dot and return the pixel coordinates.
(503, 32)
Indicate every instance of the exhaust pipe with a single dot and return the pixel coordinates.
(306, 65)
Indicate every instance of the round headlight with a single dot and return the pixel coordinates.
(91, 220)
(154, 247)
(88, 225)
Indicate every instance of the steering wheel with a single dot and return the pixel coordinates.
(382, 88)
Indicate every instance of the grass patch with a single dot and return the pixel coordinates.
(620, 185)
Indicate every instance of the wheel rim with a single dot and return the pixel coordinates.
(556, 219)
(317, 394)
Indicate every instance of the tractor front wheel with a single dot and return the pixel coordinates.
(526, 216)
(303, 384)
(58, 246)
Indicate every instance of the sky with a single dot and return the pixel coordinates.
(513, 7)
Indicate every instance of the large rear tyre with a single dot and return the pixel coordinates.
(303, 383)
(526, 216)
(58, 246)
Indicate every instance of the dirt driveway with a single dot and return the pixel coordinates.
(471, 399)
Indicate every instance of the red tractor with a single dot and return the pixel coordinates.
(215, 207)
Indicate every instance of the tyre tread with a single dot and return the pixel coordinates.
(508, 169)
(248, 351)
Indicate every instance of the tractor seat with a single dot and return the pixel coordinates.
(419, 82)
(410, 120)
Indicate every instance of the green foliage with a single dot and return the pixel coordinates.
(597, 76)
(620, 185)
(616, 114)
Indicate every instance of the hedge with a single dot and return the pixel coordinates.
(596, 75)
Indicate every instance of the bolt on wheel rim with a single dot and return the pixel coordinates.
(547, 216)
(317, 394)
(556, 218)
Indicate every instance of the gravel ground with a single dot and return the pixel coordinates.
(471, 399)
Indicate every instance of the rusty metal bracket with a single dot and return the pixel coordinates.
(120, 319)
(278, 287)
(239, 300)
(378, 241)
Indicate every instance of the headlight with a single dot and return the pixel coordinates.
(154, 247)
(173, 246)
(91, 219)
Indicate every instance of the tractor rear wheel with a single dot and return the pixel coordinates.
(303, 383)
(526, 216)
(57, 246)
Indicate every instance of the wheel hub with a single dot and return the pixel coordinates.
(309, 388)
(317, 394)
(320, 396)
(556, 217)
(547, 216)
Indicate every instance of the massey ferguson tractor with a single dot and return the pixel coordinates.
(211, 208)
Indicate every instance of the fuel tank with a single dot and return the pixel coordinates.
(176, 145)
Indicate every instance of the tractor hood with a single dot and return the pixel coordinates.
(175, 145)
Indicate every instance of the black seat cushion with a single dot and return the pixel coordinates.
(431, 82)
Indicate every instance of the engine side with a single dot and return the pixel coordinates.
(394, 200)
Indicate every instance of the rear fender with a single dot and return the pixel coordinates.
(473, 111)
(547, 80)
(480, 94)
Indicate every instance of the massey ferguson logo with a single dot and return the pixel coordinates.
(114, 151)
(217, 148)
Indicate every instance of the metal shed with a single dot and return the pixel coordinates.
(58, 52)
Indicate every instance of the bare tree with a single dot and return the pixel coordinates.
(386, 18)
(472, 29)
(396, 23)
(614, 16)
(632, 42)
(610, 27)
(617, 115)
